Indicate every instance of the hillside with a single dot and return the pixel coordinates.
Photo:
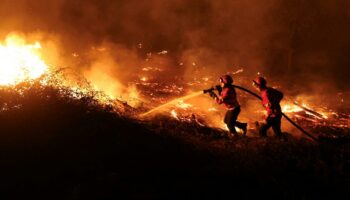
(56, 146)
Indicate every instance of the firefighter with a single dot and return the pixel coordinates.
(228, 97)
(271, 101)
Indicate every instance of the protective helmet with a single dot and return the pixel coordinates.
(260, 81)
(226, 79)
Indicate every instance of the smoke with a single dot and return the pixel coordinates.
(300, 44)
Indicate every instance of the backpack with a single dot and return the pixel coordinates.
(276, 95)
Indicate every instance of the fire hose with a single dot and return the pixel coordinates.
(284, 115)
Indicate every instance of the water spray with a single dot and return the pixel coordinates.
(172, 102)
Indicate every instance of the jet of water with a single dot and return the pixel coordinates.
(159, 108)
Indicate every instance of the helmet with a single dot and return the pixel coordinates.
(260, 81)
(226, 79)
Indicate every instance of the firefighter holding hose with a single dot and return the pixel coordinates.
(271, 101)
(228, 97)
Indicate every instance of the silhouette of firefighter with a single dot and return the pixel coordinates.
(228, 97)
(271, 99)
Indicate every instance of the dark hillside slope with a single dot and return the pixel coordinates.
(54, 146)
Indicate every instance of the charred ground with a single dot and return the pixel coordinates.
(57, 146)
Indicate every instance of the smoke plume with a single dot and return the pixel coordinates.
(297, 43)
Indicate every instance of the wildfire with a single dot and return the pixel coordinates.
(290, 108)
(20, 61)
(181, 104)
(294, 108)
(143, 78)
(174, 114)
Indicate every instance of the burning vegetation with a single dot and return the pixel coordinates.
(148, 95)
(20, 61)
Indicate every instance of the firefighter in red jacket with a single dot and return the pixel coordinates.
(271, 101)
(228, 97)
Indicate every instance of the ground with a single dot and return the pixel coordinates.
(54, 146)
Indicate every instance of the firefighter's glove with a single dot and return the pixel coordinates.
(212, 95)
(218, 88)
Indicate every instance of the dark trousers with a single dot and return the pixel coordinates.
(275, 123)
(231, 120)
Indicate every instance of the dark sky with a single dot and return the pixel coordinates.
(299, 41)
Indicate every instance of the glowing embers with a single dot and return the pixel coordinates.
(316, 116)
(20, 61)
(295, 108)
(181, 107)
(290, 108)
(174, 114)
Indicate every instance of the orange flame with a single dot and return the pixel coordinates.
(174, 114)
(290, 108)
(20, 61)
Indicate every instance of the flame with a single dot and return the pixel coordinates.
(183, 105)
(143, 78)
(294, 108)
(20, 61)
(174, 114)
(290, 108)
